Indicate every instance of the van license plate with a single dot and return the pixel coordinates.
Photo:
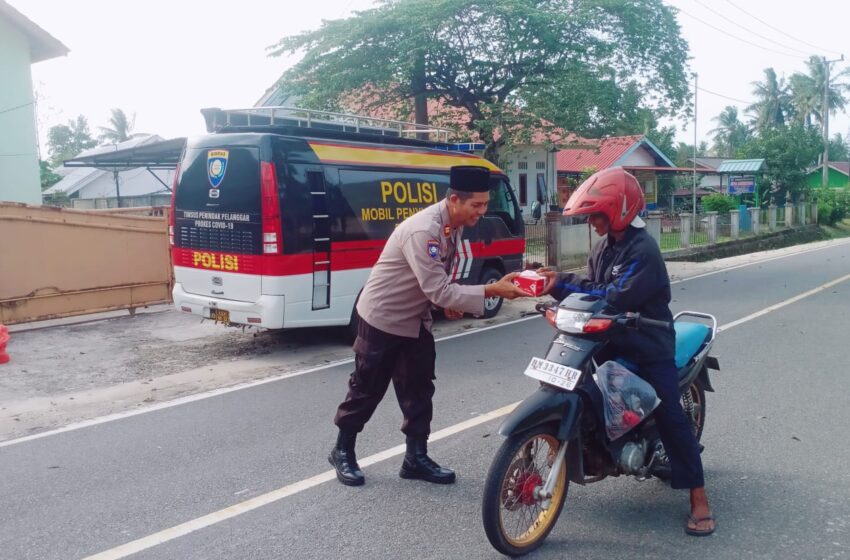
(220, 315)
(561, 376)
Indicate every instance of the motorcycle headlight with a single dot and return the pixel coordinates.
(571, 321)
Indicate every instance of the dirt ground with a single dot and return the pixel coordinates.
(66, 371)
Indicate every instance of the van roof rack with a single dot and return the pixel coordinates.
(308, 122)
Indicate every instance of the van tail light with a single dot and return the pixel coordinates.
(171, 214)
(597, 325)
(272, 237)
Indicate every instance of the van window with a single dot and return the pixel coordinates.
(225, 217)
(502, 204)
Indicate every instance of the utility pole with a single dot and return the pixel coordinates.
(825, 111)
(694, 217)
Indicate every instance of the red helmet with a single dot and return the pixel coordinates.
(612, 192)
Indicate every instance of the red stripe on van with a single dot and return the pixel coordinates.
(347, 255)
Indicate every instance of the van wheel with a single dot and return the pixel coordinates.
(492, 304)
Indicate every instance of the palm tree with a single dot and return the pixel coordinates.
(807, 91)
(774, 102)
(121, 128)
(731, 134)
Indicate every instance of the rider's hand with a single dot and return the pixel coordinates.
(452, 314)
(551, 277)
(505, 288)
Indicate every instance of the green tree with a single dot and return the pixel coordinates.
(120, 129)
(65, 141)
(789, 152)
(838, 149)
(730, 134)
(685, 152)
(48, 177)
(773, 105)
(489, 58)
(807, 91)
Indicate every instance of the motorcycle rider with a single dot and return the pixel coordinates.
(626, 268)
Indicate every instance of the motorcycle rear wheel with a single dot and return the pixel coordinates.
(693, 403)
(515, 520)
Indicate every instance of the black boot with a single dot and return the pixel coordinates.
(417, 464)
(344, 461)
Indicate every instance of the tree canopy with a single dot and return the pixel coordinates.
(120, 129)
(65, 141)
(586, 65)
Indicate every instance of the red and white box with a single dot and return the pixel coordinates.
(530, 282)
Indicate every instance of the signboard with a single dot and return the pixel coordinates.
(742, 184)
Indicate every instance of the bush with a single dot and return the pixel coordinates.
(833, 205)
(826, 213)
(719, 203)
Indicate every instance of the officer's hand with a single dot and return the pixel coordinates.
(504, 288)
(452, 315)
(551, 278)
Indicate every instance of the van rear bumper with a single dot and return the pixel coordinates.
(269, 309)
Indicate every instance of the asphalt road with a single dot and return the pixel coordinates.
(776, 454)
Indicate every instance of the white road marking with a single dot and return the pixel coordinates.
(782, 304)
(193, 525)
(183, 529)
(248, 385)
(224, 390)
(771, 259)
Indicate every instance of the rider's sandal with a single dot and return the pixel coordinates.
(699, 532)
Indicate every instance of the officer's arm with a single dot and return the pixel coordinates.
(426, 266)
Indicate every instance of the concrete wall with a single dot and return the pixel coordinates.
(574, 244)
(71, 262)
(19, 172)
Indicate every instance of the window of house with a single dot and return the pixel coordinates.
(523, 189)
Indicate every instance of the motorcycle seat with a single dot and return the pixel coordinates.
(689, 339)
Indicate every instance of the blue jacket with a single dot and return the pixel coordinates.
(631, 275)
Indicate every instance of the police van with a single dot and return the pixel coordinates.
(278, 215)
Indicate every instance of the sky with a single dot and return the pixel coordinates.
(165, 60)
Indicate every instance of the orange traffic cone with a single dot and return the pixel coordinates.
(4, 338)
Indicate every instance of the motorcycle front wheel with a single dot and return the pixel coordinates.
(516, 519)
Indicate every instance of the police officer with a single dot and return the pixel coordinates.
(394, 340)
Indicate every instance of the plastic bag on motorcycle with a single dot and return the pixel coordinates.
(627, 399)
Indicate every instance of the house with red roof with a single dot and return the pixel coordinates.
(637, 154)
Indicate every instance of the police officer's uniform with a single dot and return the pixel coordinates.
(394, 340)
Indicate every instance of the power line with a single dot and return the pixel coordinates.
(779, 30)
(724, 96)
(798, 57)
(748, 30)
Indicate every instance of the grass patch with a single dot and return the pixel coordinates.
(837, 231)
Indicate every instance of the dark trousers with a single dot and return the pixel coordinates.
(673, 427)
(379, 358)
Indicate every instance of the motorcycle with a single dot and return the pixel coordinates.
(557, 435)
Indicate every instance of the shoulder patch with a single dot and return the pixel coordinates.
(433, 248)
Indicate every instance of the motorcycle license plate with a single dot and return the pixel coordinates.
(220, 315)
(561, 376)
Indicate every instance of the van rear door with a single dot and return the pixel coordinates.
(218, 223)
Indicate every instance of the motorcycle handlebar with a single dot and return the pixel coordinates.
(643, 321)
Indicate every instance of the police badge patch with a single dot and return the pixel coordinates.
(434, 249)
(216, 166)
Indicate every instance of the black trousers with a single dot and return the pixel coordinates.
(381, 357)
(673, 427)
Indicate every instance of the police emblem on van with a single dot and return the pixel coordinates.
(216, 166)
